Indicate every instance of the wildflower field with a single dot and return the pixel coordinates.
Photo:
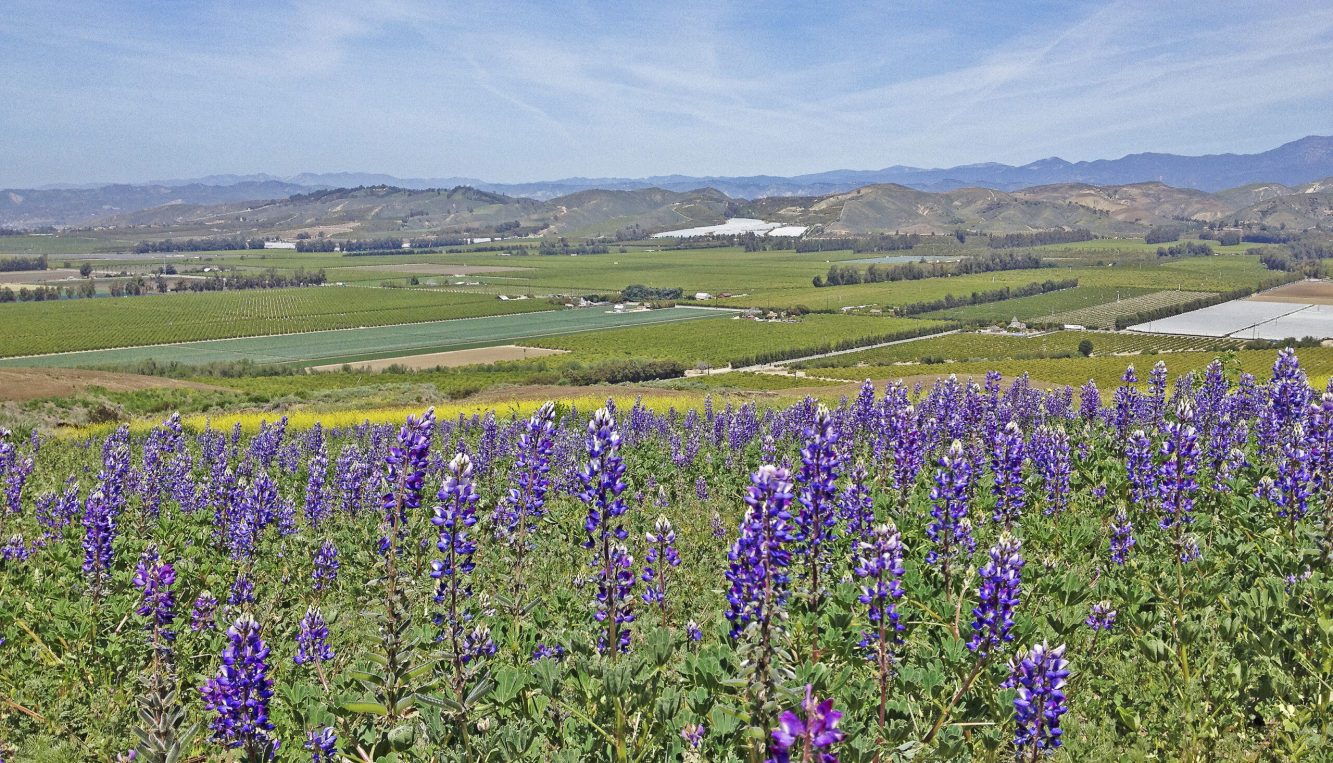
(953, 572)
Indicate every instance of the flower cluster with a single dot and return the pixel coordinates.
(759, 558)
(1007, 465)
(1001, 580)
(880, 567)
(312, 639)
(603, 483)
(454, 516)
(325, 572)
(406, 473)
(154, 578)
(1101, 617)
(813, 736)
(661, 556)
(239, 694)
(1040, 677)
(949, 529)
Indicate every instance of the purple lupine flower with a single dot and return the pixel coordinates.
(906, 447)
(1007, 458)
(405, 474)
(1125, 403)
(603, 483)
(553, 652)
(322, 744)
(202, 613)
(949, 529)
(1289, 389)
(454, 516)
(99, 524)
(760, 556)
(1177, 486)
(1101, 617)
(856, 504)
(1050, 454)
(325, 572)
(693, 734)
(880, 567)
(718, 529)
(701, 488)
(477, 644)
(1122, 537)
(1040, 677)
(312, 639)
(1140, 469)
(820, 466)
(1291, 491)
(997, 595)
(239, 694)
(242, 591)
(155, 578)
(517, 513)
(1155, 405)
(661, 557)
(693, 631)
(318, 499)
(1089, 402)
(814, 735)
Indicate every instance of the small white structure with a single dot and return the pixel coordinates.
(702, 295)
(279, 244)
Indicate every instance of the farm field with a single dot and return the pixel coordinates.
(1104, 316)
(1037, 307)
(975, 346)
(1309, 292)
(274, 553)
(448, 359)
(739, 341)
(350, 345)
(87, 324)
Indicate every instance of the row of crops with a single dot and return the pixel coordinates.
(46, 327)
(1104, 316)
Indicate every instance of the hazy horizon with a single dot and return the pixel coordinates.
(505, 94)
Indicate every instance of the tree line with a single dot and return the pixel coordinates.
(951, 301)
(1038, 238)
(640, 293)
(12, 264)
(1186, 249)
(140, 285)
(881, 242)
(217, 244)
(842, 275)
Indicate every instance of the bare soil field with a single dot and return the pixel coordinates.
(449, 359)
(1300, 292)
(29, 277)
(427, 269)
(19, 384)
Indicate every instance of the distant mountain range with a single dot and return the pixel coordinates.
(1233, 175)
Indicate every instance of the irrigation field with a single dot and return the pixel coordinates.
(349, 345)
(34, 328)
(1249, 319)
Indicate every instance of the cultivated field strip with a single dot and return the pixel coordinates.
(381, 341)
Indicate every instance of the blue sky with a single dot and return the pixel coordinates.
(129, 91)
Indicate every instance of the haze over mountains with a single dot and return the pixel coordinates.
(1059, 194)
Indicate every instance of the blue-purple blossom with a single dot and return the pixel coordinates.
(312, 639)
(949, 529)
(325, 571)
(454, 516)
(202, 613)
(1007, 466)
(661, 557)
(693, 734)
(1140, 469)
(154, 578)
(239, 694)
(817, 520)
(856, 504)
(1176, 484)
(1122, 537)
(553, 652)
(99, 531)
(322, 744)
(1050, 454)
(603, 483)
(1101, 617)
(880, 568)
(1040, 677)
(516, 514)
(997, 597)
(812, 737)
(758, 560)
(406, 473)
